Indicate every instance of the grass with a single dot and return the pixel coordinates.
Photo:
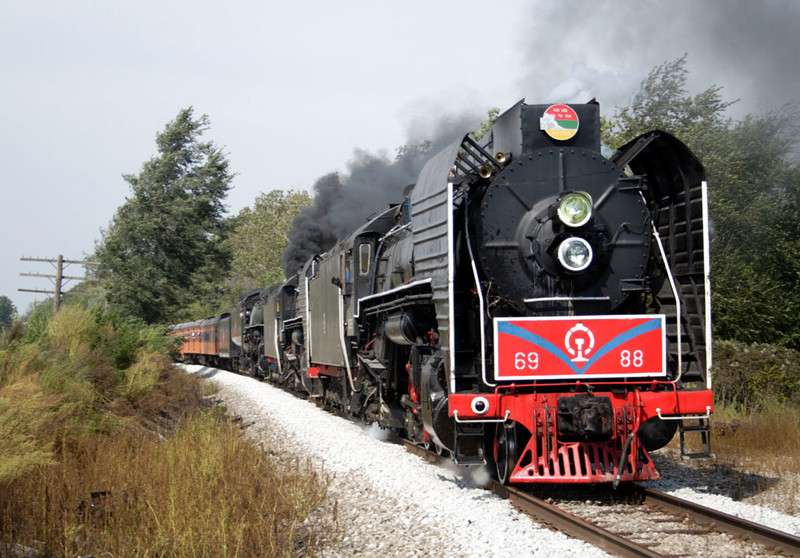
(204, 491)
(106, 449)
(771, 433)
(754, 455)
(756, 424)
(757, 393)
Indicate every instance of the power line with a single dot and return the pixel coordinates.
(59, 277)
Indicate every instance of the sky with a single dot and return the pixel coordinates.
(296, 90)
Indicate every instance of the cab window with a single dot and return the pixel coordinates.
(364, 253)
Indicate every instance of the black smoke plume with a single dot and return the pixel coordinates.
(342, 203)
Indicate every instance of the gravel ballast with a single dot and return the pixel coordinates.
(385, 501)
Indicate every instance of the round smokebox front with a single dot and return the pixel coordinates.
(558, 230)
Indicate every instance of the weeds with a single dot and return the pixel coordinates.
(752, 377)
(756, 424)
(24, 412)
(767, 437)
(105, 447)
(757, 392)
(206, 491)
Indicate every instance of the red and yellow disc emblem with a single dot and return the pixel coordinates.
(559, 122)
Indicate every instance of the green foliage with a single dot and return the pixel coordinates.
(37, 322)
(165, 245)
(7, 312)
(142, 376)
(259, 236)
(751, 377)
(201, 309)
(87, 294)
(755, 207)
(71, 330)
(122, 339)
(25, 413)
(662, 103)
(754, 196)
(80, 371)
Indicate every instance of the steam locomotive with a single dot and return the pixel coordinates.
(531, 305)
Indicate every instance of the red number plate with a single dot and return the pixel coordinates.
(578, 347)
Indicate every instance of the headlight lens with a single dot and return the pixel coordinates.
(575, 209)
(575, 254)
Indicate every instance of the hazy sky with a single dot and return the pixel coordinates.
(293, 89)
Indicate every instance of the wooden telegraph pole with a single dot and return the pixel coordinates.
(58, 278)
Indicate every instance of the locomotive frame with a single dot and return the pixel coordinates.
(531, 305)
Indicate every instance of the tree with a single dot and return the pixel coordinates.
(7, 312)
(662, 103)
(259, 237)
(165, 245)
(754, 196)
(756, 245)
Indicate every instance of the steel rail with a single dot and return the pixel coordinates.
(571, 525)
(771, 538)
(574, 526)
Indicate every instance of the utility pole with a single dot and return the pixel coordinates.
(58, 278)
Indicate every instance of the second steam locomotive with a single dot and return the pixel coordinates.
(531, 304)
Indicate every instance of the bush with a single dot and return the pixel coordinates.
(143, 375)
(752, 377)
(79, 372)
(106, 448)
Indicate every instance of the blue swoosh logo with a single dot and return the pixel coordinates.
(521, 333)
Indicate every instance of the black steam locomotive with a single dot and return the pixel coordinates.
(531, 304)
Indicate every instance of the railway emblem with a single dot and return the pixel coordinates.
(583, 340)
(560, 122)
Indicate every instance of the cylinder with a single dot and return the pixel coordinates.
(408, 327)
(297, 337)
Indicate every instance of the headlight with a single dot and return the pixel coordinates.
(575, 209)
(575, 254)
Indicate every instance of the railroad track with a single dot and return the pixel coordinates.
(688, 519)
